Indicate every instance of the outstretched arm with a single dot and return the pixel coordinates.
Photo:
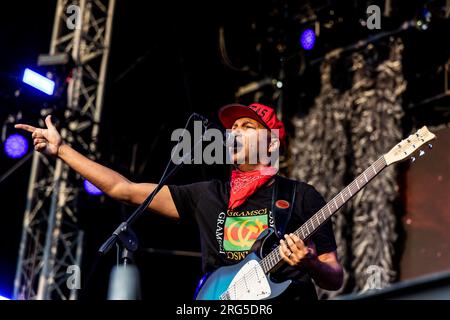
(49, 142)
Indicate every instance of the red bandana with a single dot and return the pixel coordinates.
(245, 183)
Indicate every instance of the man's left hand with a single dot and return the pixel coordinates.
(295, 252)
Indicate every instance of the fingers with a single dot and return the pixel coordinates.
(38, 140)
(294, 243)
(285, 253)
(48, 122)
(293, 249)
(40, 146)
(25, 127)
(38, 133)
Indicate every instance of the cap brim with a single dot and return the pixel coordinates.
(230, 113)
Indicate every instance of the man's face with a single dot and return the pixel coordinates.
(250, 136)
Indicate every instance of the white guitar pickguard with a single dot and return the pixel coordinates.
(250, 283)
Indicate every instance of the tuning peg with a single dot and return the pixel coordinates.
(430, 146)
(413, 159)
(421, 153)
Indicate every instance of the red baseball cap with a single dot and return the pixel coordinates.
(256, 111)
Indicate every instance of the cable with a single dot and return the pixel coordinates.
(224, 55)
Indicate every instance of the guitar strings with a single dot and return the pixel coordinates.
(275, 258)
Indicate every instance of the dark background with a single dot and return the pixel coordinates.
(164, 64)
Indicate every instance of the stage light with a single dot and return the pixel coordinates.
(16, 146)
(53, 59)
(307, 39)
(38, 81)
(91, 189)
(4, 298)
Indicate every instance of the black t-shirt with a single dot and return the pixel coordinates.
(227, 235)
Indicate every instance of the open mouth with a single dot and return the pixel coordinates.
(237, 146)
(234, 144)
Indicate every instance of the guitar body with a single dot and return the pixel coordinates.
(243, 280)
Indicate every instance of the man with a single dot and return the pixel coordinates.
(230, 214)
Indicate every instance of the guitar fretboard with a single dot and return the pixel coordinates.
(320, 217)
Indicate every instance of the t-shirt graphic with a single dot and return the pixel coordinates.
(226, 236)
(241, 230)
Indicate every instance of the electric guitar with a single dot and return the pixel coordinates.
(250, 278)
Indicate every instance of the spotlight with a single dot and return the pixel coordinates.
(4, 298)
(16, 146)
(307, 39)
(91, 189)
(38, 81)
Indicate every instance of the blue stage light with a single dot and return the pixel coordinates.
(16, 146)
(91, 189)
(38, 81)
(307, 39)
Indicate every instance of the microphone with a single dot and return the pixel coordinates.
(229, 136)
(208, 123)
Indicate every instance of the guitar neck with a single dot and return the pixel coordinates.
(321, 216)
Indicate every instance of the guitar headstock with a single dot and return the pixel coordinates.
(408, 147)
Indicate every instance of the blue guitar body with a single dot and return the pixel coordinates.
(219, 281)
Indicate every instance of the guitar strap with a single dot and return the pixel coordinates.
(283, 201)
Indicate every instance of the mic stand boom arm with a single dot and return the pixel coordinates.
(123, 232)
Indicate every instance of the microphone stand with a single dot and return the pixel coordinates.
(123, 232)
